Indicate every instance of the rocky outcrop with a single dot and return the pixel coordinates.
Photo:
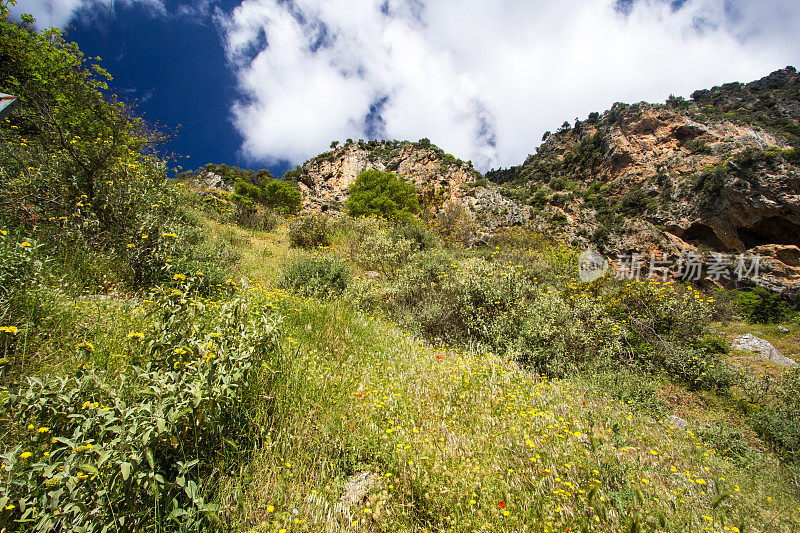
(714, 175)
(764, 349)
(442, 180)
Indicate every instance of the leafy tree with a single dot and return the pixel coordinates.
(263, 177)
(245, 192)
(376, 193)
(86, 147)
(282, 197)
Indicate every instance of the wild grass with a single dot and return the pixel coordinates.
(458, 440)
(353, 423)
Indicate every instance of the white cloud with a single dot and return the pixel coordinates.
(58, 13)
(482, 79)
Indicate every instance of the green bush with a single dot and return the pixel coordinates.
(713, 344)
(499, 306)
(558, 337)
(316, 276)
(382, 194)
(698, 369)
(310, 231)
(763, 306)
(417, 233)
(85, 164)
(135, 451)
(255, 217)
(246, 192)
(282, 197)
(20, 275)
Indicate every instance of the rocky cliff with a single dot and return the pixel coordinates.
(715, 174)
(443, 181)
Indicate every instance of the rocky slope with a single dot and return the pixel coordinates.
(444, 182)
(716, 174)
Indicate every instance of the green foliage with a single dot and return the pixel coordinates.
(763, 306)
(634, 202)
(310, 231)
(779, 419)
(376, 193)
(255, 217)
(375, 245)
(231, 175)
(713, 344)
(85, 164)
(282, 197)
(67, 143)
(245, 192)
(417, 233)
(698, 369)
(316, 276)
(263, 177)
(293, 176)
(137, 451)
(697, 146)
(20, 275)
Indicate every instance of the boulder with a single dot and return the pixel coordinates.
(676, 422)
(763, 349)
(357, 487)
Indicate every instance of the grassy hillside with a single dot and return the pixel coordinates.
(346, 421)
(164, 366)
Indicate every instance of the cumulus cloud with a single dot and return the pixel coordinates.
(58, 13)
(482, 79)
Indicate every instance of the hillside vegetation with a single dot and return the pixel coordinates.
(175, 358)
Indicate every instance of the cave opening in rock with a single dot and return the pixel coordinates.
(770, 230)
(702, 235)
(686, 133)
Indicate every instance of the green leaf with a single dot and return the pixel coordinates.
(149, 454)
(103, 457)
(719, 499)
(90, 468)
(126, 470)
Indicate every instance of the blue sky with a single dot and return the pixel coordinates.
(269, 83)
(175, 69)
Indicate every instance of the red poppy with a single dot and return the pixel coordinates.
(438, 357)
(502, 504)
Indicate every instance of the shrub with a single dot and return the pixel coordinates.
(282, 197)
(254, 217)
(634, 202)
(698, 369)
(697, 146)
(316, 276)
(417, 233)
(383, 194)
(310, 231)
(99, 453)
(20, 275)
(558, 337)
(373, 245)
(246, 192)
(713, 344)
(763, 306)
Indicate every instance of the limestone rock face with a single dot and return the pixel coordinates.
(442, 180)
(718, 174)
